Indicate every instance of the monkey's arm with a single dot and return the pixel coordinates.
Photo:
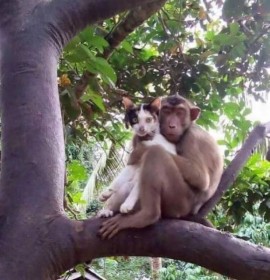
(136, 154)
(193, 172)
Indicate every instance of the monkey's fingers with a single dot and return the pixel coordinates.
(108, 231)
(113, 232)
(108, 222)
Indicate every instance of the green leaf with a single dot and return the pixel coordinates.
(95, 98)
(72, 44)
(84, 50)
(76, 171)
(127, 46)
(106, 70)
(231, 110)
(147, 53)
(234, 28)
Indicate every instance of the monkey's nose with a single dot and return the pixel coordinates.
(172, 126)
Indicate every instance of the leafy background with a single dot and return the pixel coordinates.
(216, 53)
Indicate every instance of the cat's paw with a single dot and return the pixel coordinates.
(126, 207)
(105, 195)
(105, 213)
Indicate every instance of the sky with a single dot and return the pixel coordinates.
(260, 111)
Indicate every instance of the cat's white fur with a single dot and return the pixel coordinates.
(125, 187)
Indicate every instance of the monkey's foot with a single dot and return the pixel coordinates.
(105, 195)
(126, 207)
(110, 227)
(105, 213)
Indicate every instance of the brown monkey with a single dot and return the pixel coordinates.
(173, 186)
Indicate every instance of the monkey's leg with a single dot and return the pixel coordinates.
(138, 220)
(156, 164)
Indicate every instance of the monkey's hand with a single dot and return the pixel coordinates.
(112, 226)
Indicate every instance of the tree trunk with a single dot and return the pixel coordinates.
(37, 241)
(33, 33)
(156, 265)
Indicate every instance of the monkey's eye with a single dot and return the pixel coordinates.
(166, 110)
(180, 112)
(148, 120)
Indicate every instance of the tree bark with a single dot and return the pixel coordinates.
(182, 240)
(33, 33)
(156, 266)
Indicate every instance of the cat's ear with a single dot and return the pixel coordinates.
(126, 122)
(127, 103)
(156, 104)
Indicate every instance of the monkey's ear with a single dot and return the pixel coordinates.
(127, 103)
(194, 113)
(156, 104)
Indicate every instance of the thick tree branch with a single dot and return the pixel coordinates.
(186, 241)
(68, 17)
(231, 172)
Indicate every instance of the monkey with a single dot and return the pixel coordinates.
(172, 186)
(123, 193)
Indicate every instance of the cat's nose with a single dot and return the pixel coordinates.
(141, 129)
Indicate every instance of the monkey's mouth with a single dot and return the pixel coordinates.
(172, 137)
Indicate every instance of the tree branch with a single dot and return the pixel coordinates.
(68, 17)
(231, 172)
(134, 19)
(182, 240)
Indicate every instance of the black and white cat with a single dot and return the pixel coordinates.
(123, 193)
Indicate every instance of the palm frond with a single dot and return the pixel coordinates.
(110, 159)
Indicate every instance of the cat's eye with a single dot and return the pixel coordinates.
(148, 120)
(135, 120)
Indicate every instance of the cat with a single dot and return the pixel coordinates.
(123, 193)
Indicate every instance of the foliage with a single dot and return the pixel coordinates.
(176, 270)
(122, 268)
(217, 61)
(216, 53)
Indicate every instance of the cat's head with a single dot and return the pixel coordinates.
(143, 118)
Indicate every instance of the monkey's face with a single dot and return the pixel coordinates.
(176, 117)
